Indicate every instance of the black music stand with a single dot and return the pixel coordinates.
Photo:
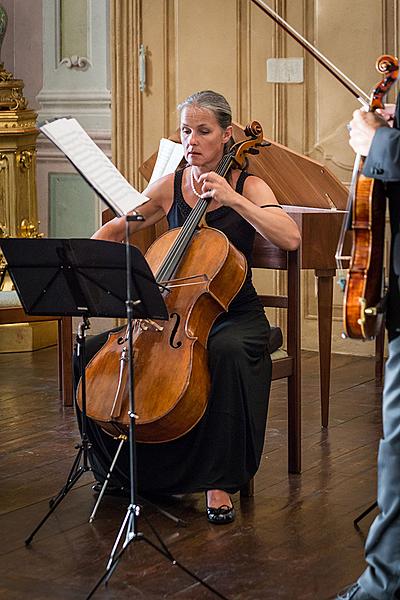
(83, 278)
(79, 277)
(129, 526)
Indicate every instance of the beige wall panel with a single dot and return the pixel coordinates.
(280, 107)
(206, 58)
(296, 94)
(155, 31)
(352, 44)
(262, 46)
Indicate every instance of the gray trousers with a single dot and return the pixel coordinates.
(381, 579)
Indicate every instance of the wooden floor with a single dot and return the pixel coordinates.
(294, 540)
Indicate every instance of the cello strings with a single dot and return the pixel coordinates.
(174, 255)
(193, 220)
(171, 260)
(178, 248)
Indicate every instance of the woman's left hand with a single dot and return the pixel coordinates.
(216, 187)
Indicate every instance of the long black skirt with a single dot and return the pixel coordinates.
(223, 451)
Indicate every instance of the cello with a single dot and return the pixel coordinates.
(200, 272)
(366, 219)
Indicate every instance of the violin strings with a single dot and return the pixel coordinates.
(178, 248)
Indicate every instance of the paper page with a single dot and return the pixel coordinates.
(169, 156)
(94, 165)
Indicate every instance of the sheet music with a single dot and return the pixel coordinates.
(169, 156)
(94, 165)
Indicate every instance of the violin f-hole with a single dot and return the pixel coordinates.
(174, 330)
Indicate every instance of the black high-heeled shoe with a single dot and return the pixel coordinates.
(222, 515)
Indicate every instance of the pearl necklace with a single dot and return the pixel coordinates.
(192, 184)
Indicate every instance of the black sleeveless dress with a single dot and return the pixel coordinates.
(223, 450)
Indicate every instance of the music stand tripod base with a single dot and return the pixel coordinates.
(122, 439)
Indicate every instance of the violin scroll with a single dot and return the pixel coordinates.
(389, 66)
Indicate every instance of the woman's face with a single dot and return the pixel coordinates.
(202, 137)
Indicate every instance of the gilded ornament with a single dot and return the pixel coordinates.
(3, 264)
(24, 159)
(27, 229)
(10, 89)
(3, 230)
(20, 102)
(5, 75)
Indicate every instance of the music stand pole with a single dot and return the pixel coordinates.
(130, 522)
(81, 351)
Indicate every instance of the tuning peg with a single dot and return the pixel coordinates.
(253, 151)
(265, 144)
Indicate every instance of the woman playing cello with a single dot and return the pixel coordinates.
(223, 451)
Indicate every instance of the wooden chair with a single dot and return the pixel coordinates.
(285, 365)
(13, 312)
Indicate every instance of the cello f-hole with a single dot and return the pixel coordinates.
(174, 330)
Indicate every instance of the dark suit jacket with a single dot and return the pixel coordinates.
(383, 162)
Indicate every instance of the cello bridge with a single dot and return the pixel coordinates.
(146, 324)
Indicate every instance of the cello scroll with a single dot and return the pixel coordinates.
(254, 133)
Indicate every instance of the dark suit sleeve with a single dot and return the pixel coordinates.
(383, 160)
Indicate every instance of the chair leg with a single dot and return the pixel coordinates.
(247, 490)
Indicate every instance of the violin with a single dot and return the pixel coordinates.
(366, 209)
(200, 272)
